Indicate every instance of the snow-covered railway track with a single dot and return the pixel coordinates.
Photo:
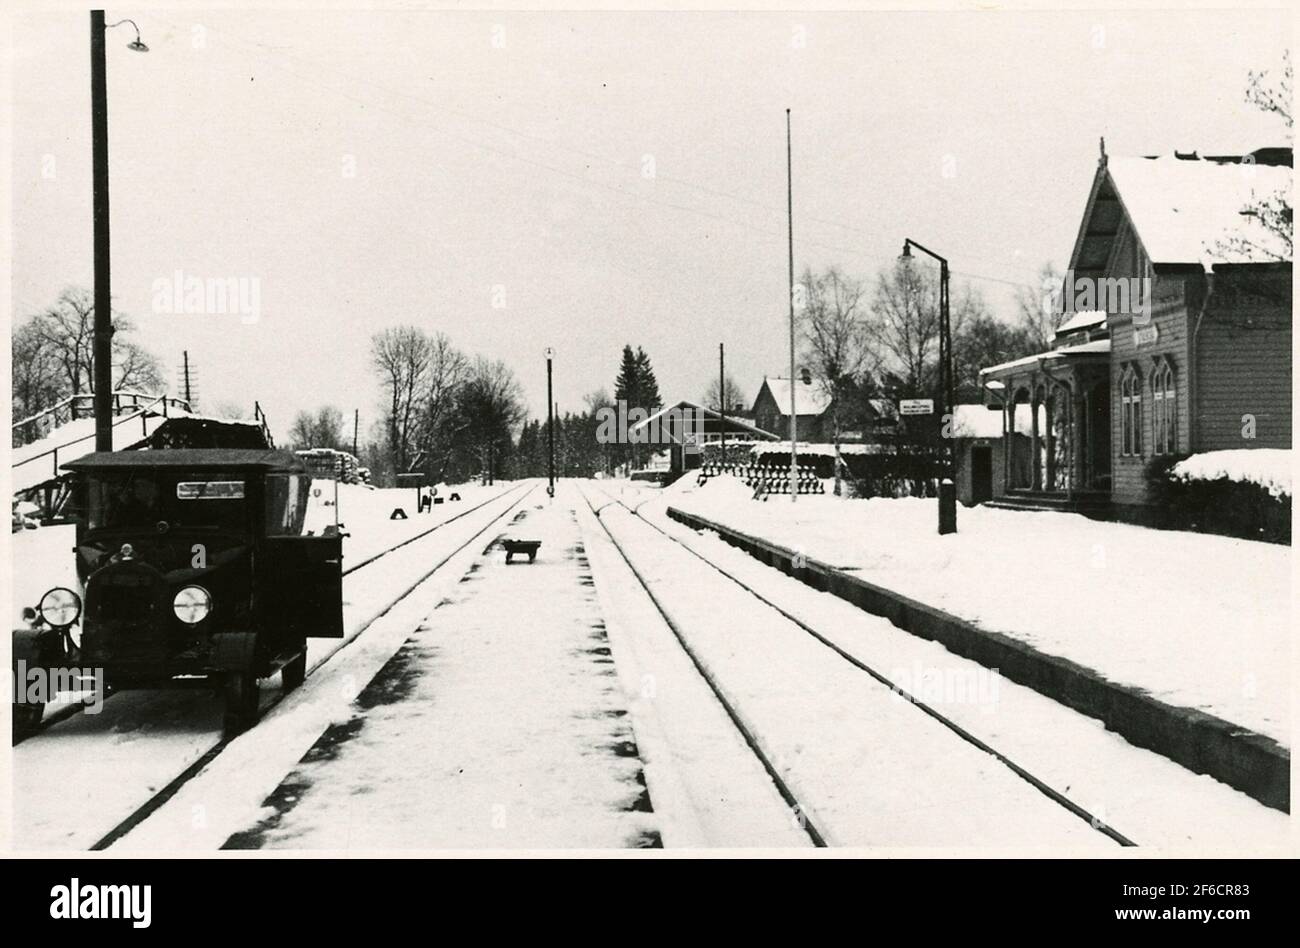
(71, 708)
(140, 756)
(823, 826)
(751, 739)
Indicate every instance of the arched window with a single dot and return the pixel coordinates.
(1164, 408)
(1130, 412)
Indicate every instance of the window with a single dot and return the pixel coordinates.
(1164, 409)
(1130, 412)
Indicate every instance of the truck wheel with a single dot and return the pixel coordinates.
(27, 718)
(241, 702)
(294, 671)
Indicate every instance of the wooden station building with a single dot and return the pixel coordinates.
(1197, 358)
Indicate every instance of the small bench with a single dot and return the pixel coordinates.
(521, 547)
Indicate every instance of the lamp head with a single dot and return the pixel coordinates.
(907, 251)
(137, 45)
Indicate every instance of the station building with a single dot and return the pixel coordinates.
(1198, 358)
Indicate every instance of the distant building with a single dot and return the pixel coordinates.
(1204, 363)
(685, 427)
(814, 422)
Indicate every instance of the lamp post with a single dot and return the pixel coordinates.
(102, 346)
(947, 488)
(550, 426)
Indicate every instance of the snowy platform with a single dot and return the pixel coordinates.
(1196, 621)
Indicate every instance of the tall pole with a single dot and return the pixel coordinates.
(550, 428)
(102, 353)
(356, 421)
(722, 399)
(789, 200)
(185, 355)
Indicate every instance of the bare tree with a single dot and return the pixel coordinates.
(489, 407)
(734, 395)
(402, 356)
(321, 429)
(836, 341)
(905, 324)
(447, 369)
(1038, 308)
(1272, 210)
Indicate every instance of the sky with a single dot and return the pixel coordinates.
(579, 181)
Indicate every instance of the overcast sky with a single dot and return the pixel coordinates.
(503, 157)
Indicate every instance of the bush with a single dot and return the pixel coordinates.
(1230, 508)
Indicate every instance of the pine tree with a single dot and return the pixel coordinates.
(649, 386)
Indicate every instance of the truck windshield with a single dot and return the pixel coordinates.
(143, 499)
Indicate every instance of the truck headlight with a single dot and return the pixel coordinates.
(60, 607)
(192, 604)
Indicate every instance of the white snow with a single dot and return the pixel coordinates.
(1270, 468)
(1190, 211)
(1127, 787)
(76, 780)
(1197, 620)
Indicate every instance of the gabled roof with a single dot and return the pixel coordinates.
(809, 398)
(1184, 210)
(732, 421)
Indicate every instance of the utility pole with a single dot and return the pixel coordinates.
(103, 339)
(186, 376)
(722, 400)
(794, 426)
(356, 420)
(550, 426)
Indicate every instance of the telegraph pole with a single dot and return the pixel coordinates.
(185, 355)
(722, 400)
(789, 198)
(102, 352)
(356, 420)
(550, 426)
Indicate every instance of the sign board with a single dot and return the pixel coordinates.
(916, 406)
(1145, 336)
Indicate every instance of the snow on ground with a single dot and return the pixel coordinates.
(708, 788)
(1197, 620)
(869, 769)
(1148, 798)
(1268, 467)
(77, 779)
(493, 726)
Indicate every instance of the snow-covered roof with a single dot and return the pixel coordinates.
(978, 421)
(809, 398)
(681, 408)
(1190, 210)
(1084, 319)
(1096, 347)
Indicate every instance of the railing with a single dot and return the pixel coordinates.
(83, 406)
(159, 404)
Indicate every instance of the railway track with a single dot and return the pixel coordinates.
(963, 734)
(72, 709)
(158, 798)
(751, 740)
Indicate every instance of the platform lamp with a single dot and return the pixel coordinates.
(550, 425)
(102, 344)
(947, 487)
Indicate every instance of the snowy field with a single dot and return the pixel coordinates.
(1196, 620)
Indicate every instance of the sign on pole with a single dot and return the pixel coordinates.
(916, 406)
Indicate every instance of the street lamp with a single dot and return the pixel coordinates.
(947, 488)
(550, 425)
(103, 336)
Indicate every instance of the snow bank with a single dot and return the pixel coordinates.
(1270, 468)
(725, 488)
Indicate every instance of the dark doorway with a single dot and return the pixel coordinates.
(981, 474)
